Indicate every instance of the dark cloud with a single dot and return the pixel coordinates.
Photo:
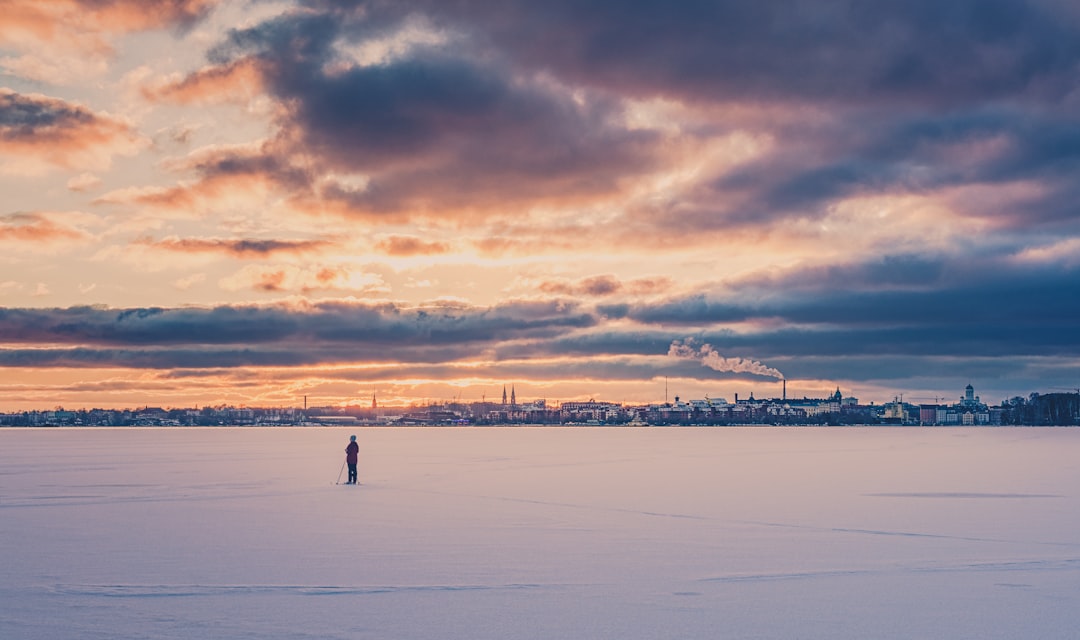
(888, 273)
(901, 305)
(190, 358)
(23, 117)
(523, 105)
(918, 51)
(263, 162)
(916, 91)
(58, 131)
(600, 341)
(386, 328)
(436, 129)
(881, 153)
(837, 322)
(443, 133)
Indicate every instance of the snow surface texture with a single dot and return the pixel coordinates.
(540, 533)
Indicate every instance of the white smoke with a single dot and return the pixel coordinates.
(710, 358)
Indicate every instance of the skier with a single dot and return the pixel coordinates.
(351, 453)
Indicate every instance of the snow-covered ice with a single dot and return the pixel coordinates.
(540, 533)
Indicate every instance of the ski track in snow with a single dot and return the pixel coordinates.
(209, 493)
(198, 590)
(566, 505)
(958, 495)
(906, 534)
(783, 525)
(1056, 564)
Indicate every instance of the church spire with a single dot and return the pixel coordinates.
(513, 396)
(504, 394)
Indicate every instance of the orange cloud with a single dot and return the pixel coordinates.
(411, 246)
(551, 241)
(137, 15)
(239, 81)
(231, 178)
(37, 228)
(302, 279)
(65, 40)
(650, 285)
(54, 20)
(606, 285)
(59, 133)
(83, 182)
(239, 248)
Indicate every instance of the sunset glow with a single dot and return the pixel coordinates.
(238, 202)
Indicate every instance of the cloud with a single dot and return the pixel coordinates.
(474, 115)
(238, 248)
(36, 228)
(302, 279)
(960, 306)
(897, 52)
(277, 335)
(63, 41)
(59, 133)
(236, 177)
(895, 99)
(187, 282)
(432, 132)
(83, 182)
(1065, 252)
(238, 82)
(411, 246)
(605, 285)
(593, 286)
(129, 15)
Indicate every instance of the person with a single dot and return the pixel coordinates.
(351, 453)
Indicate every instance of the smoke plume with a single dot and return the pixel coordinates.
(710, 358)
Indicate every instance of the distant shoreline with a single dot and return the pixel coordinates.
(525, 426)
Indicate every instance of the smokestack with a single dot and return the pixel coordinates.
(785, 389)
(736, 397)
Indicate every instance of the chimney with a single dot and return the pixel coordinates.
(785, 389)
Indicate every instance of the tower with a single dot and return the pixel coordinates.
(513, 396)
(504, 394)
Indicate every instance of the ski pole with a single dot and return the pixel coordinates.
(340, 472)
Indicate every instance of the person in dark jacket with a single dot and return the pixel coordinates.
(351, 453)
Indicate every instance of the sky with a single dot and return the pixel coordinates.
(249, 202)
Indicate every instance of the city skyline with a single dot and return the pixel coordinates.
(509, 398)
(1054, 409)
(248, 202)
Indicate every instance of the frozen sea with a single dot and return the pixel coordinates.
(525, 533)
